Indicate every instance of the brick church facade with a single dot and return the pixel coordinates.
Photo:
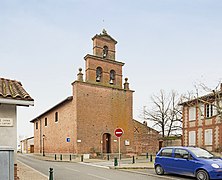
(85, 122)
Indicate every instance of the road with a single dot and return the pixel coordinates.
(80, 171)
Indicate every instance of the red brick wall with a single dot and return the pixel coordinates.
(146, 138)
(92, 62)
(56, 132)
(101, 110)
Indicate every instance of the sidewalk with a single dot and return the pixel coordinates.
(27, 173)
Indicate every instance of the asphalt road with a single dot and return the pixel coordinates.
(80, 171)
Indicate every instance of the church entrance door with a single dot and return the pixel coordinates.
(106, 143)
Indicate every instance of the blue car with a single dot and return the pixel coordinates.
(189, 161)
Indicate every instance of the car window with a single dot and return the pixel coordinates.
(181, 153)
(201, 153)
(166, 152)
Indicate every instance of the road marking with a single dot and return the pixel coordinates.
(72, 169)
(90, 164)
(149, 174)
(98, 176)
(32, 169)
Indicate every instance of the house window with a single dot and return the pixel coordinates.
(192, 138)
(112, 77)
(36, 125)
(210, 110)
(56, 117)
(46, 121)
(192, 113)
(98, 74)
(208, 137)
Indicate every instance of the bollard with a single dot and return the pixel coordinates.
(115, 161)
(70, 157)
(151, 158)
(133, 159)
(50, 173)
(61, 157)
(81, 158)
(147, 155)
(55, 156)
(108, 157)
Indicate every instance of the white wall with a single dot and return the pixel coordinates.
(8, 135)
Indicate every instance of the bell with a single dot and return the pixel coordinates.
(98, 79)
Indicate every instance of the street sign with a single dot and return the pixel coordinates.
(67, 139)
(118, 132)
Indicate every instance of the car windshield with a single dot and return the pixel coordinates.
(201, 153)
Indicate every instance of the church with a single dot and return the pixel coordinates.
(101, 102)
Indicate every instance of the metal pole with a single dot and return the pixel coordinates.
(43, 150)
(119, 150)
(50, 173)
(133, 159)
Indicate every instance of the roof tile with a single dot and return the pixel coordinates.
(12, 89)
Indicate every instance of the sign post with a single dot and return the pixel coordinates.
(118, 132)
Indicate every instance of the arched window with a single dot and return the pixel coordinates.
(112, 77)
(98, 74)
(105, 51)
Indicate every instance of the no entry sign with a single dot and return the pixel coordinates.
(118, 132)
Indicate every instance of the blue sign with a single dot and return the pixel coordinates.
(67, 139)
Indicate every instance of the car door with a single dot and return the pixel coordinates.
(165, 159)
(183, 162)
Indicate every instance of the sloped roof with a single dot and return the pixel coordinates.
(68, 99)
(105, 35)
(12, 89)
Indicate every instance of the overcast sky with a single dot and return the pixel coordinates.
(165, 44)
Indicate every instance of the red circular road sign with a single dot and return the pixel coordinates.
(118, 132)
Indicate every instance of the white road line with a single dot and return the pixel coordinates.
(90, 164)
(98, 176)
(33, 169)
(149, 174)
(72, 169)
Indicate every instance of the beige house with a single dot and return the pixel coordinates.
(27, 145)
(12, 94)
(202, 123)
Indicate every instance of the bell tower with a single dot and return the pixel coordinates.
(104, 46)
(101, 67)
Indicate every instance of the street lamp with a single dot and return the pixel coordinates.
(43, 150)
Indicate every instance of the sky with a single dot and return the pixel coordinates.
(165, 44)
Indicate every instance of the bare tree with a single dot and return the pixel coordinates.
(166, 114)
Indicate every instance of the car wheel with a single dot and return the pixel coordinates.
(202, 175)
(159, 170)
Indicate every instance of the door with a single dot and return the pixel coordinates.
(106, 143)
(183, 162)
(31, 148)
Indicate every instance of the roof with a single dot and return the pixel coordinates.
(206, 97)
(13, 90)
(145, 125)
(57, 105)
(104, 34)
